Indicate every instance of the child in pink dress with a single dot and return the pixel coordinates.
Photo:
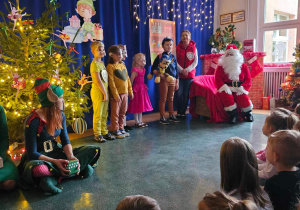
(141, 102)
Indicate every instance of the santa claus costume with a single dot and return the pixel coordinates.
(233, 81)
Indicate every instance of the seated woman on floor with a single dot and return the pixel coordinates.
(8, 170)
(45, 159)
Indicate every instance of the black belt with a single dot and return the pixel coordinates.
(234, 84)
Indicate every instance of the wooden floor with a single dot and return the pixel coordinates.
(146, 118)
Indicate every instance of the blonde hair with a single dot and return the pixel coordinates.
(96, 45)
(286, 143)
(221, 201)
(136, 57)
(188, 32)
(137, 202)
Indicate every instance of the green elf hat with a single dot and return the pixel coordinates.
(47, 93)
(87, 2)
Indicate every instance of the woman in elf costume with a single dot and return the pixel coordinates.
(45, 159)
(8, 170)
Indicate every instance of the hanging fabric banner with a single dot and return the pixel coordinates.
(158, 30)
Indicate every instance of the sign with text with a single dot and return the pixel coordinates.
(158, 30)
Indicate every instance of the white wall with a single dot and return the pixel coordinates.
(244, 30)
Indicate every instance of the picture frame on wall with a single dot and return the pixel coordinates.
(238, 16)
(225, 19)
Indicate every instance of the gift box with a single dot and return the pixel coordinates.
(266, 103)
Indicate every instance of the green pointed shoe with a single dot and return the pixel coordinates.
(87, 172)
(48, 185)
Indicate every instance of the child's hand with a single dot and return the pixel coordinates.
(118, 99)
(176, 85)
(131, 96)
(105, 96)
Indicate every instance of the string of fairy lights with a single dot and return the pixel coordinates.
(196, 13)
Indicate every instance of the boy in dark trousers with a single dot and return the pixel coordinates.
(283, 152)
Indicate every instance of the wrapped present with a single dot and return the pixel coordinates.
(74, 21)
(266, 103)
(98, 32)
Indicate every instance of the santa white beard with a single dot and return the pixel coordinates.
(232, 64)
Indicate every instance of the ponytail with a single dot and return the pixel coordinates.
(292, 120)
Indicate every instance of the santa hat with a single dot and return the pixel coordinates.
(231, 46)
(47, 93)
(87, 2)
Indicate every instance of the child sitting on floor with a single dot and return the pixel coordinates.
(279, 119)
(283, 152)
(239, 176)
(219, 200)
(138, 202)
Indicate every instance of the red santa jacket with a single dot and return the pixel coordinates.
(221, 77)
(185, 57)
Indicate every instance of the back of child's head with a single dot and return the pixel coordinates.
(136, 58)
(114, 49)
(96, 45)
(239, 169)
(282, 119)
(138, 202)
(220, 201)
(286, 143)
(297, 109)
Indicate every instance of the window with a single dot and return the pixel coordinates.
(279, 29)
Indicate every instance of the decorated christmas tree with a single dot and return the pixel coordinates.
(30, 49)
(222, 38)
(292, 81)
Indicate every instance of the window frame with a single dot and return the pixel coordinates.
(263, 27)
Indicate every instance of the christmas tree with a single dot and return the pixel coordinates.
(222, 38)
(292, 81)
(31, 49)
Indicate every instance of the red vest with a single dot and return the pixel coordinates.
(185, 57)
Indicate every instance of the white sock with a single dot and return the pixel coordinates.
(136, 118)
(140, 117)
(124, 121)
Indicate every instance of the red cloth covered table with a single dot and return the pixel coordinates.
(204, 85)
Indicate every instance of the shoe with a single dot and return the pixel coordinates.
(233, 116)
(138, 125)
(248, 117)
(163, 121)
(118, 134)
(144, 125)
(47, 184)
(109, 137)
(174, 119)
(87, 172)
(126, 134)
(99, 139)
(127, 128)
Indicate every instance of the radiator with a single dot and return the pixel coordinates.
(273, 77)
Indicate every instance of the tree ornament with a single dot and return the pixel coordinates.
(19, 83)
(55, 76)
(65, 37)
(83, 80)
(79, 125)
(14, 15)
